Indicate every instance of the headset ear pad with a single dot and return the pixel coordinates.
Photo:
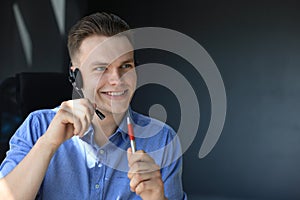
(78, 78)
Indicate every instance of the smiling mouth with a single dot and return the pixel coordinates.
(115, 94)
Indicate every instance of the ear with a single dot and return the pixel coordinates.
(73, 65)
(72, 68)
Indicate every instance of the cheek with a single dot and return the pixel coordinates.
(90, 84)
(131, 79)
(99, 81)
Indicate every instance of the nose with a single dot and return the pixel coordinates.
(114, 76)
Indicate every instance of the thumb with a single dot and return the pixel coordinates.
(129, 153)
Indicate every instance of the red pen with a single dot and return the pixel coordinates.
(131, 135)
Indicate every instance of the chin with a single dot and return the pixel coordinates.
(119, 109)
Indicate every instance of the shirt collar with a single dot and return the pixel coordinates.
(123, 128)
(88, 137)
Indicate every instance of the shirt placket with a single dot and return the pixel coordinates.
(98, 175)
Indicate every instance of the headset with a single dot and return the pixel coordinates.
(75, 79)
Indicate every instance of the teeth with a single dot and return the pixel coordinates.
(115, 93)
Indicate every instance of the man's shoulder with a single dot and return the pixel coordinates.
(41, 117)
(43, 114)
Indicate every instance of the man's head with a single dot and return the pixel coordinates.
(105, 59)
(102, 24)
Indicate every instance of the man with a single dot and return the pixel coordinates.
(70, 153)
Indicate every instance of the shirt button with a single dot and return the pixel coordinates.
(97, 186)
(101, 151)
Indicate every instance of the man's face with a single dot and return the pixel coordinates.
(108, 72)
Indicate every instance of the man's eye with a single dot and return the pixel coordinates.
(125, 66)
(101, 69)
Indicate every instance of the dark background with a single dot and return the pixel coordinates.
(256, 46)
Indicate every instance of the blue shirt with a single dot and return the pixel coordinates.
(82, 170)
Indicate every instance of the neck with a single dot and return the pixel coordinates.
(106, 127)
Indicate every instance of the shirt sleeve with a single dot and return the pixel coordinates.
(172, 168)
(20, 144)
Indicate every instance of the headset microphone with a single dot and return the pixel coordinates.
(76, 81)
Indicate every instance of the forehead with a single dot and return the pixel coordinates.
(104, 49)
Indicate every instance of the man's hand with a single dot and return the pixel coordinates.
(73, 118)
(144, 175)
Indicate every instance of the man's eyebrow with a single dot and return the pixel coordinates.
(128, 60)
(99, 63)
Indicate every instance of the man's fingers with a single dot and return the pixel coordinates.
(143, 186)
(137, 179)
(138, 156)
(82, 112)
(69, 119)
(145, 181)
(142, 167)
(80, 108)
(129, 152)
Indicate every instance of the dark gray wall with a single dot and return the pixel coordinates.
(256, 46)
(48, 45)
